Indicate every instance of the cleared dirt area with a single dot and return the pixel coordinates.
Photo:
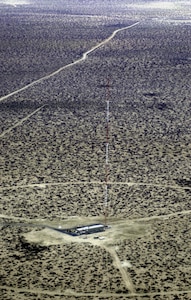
(136, 258)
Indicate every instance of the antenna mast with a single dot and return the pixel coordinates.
(107, 154)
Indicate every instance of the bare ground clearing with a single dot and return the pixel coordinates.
(127, 241)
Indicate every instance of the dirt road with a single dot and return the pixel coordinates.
(20, 122)
(106, 295)
(84, 57)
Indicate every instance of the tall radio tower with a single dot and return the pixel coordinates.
(107, 153)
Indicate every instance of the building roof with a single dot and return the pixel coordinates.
(94, 226)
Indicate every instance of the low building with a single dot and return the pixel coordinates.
(90, 229)
(80, 230)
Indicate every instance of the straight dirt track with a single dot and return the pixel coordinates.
(73, 293)
(44, 185)
(84, 57)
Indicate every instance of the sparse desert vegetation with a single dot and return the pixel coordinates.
(42, 43)
(53, 157)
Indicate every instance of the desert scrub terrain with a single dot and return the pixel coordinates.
(149, 124)
(157, 261)
(34, 44)
(53, 154)
(78, 267)
(58, 201)
(161, 260)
